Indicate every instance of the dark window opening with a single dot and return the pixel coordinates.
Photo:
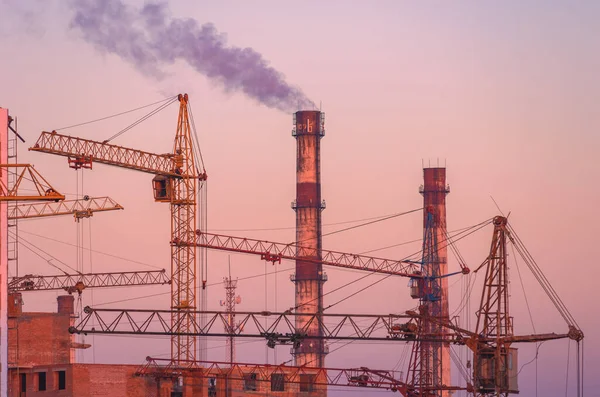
(250, 382)
(62, 380)
(23, 383)
(307, 383)
(41, 381)
(277, 382)
(212, 387)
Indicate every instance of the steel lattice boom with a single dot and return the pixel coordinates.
(281, 328)
(79, 208)
(275, 252)
(89, 151)
(78, 282)
(26, 172)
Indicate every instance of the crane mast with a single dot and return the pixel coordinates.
(183, 203)
(495, 363)
(425, 366)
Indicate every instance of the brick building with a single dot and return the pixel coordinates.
(41, 359)
(41, 364)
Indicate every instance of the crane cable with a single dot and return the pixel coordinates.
(142, 119)
(530, 315)
(24, 243)
(479, 226)
(360, 225)
(294, 227)
(202, 220)
(91, 250)
(113, 115)
(540, 277)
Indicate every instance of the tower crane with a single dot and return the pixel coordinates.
(175, 182)
(494, 360)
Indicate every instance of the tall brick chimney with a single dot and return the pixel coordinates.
(309, 278)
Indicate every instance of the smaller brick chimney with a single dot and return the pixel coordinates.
(66, 304)
(15, 304)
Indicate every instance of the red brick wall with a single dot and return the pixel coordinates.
(32, 389)
(85, 380)
(97, 380)
(42, 339)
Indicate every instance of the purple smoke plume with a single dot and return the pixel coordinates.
(149, 39)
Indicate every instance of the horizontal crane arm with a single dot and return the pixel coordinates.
(80, 208)
(105, 153)
(275, 252)
(27, 174)
(281, 328)
(536, 337)
(78, 282)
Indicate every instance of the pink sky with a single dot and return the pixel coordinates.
(506, 97)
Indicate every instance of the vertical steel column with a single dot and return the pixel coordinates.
(183, 228)
(434, 191)
(309, 278)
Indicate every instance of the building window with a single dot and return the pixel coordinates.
(23, 383)
(61, 379)
(41, 381)
(277, 382)
(212, 387)
(307, 383)
(250, 382)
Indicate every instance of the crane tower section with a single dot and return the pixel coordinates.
(309, 278)
(180, 192)
(495, 363)
(435, 356)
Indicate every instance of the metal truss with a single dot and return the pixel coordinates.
(80, 208)
(275, 252)
(105, 153)
(280, 328)
(36, 182)
(78, 282)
